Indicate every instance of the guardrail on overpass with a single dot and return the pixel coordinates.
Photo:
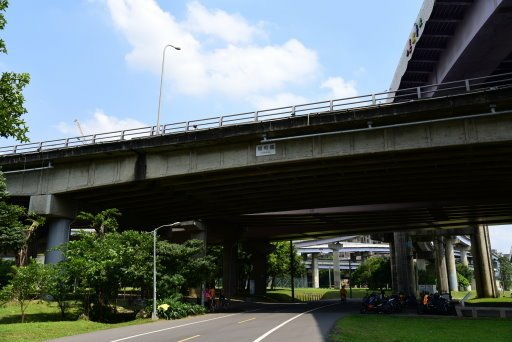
(307, 109)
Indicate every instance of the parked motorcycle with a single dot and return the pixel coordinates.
(378, 304)
(435, 304)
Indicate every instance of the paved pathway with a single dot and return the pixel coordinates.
(254, 323)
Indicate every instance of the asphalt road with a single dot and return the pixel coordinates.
(252, 323)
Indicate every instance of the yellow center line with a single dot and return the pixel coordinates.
(247, 320)
(189, 338)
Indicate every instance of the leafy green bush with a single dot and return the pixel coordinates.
(173, 308)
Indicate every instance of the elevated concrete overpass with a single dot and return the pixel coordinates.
(453, 39)
(433, 163)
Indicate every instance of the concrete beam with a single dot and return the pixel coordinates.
(52, 206)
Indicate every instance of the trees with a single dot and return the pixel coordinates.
(182, 266)
(374, 272)
(26, 285)
(11, 94)
(59, 285)
(505, 271)
(33, 222)
(464, 274)
(104, 264)
(12, 236)
(278, 262)
(103, 222)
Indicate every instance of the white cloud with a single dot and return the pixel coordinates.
(232, 28)
(237, 67)
(339, 88)
(99, 123)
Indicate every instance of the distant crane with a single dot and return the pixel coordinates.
(79, 127)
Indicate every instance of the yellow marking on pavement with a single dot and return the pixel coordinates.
(189, 338)
(247, 320)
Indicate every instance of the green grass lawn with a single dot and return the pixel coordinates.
(305, 294)
(505, 297)
(371, 328)
(43, 323)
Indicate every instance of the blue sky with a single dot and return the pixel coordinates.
(98, 61)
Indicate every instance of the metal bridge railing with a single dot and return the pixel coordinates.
(307, 109)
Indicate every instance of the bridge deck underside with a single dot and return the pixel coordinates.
(438, 188)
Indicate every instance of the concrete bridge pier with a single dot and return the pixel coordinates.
(259, 250)
(403, 262)
(230, 267)
(482, 262)
(59, 213)
(315, 277)
(442, 275)
(450, 264)
(336, 263)
(58, 234)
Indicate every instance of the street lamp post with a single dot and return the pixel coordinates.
(161, 82)
(175, 224)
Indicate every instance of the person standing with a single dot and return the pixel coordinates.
(343, 294)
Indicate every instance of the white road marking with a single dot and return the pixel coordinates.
(170, 328)
(288, 321)
(183, 325)
(247, 320)
(189, 338)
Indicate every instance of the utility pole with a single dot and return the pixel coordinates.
(292, 270)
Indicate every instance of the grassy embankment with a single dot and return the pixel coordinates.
(43, 322)
(371, 328)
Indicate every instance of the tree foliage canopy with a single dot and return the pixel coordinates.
(505, 271)
(105, 264)
(278, 261)
(11, 94)
(103, 222)
(374, 272)
(12, 236)
(182, 266)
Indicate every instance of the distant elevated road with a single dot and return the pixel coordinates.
(265, 322)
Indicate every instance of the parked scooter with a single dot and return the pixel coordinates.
(379, 304)
(435, 304)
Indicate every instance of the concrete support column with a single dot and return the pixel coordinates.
(405, 278)
(315, 278)
(58, 234)
(394, 280)
(259, 251)
(413, 285)
(336, 263)
(58, 212)
(230, 267)
(450, 265)
(464, 256)
(442, 275)
(482, 262)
